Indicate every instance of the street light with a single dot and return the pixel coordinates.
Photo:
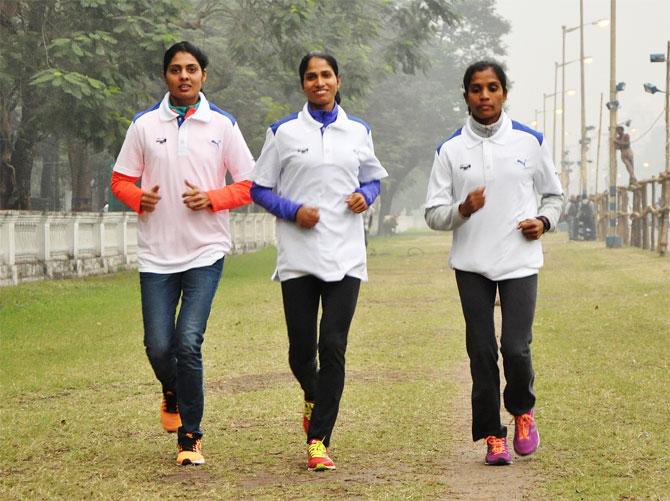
(651, 88)
(565, 176)
(565, 180)
(600, 23)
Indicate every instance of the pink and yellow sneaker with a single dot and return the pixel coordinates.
(497, 452)
(526, 436)
(317, 456)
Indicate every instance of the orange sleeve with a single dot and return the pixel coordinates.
(231, 196)
(124, 188)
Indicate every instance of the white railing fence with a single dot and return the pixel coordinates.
(35, 246)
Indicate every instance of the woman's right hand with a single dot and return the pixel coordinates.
(149, 199)
(473, 202)
(307, 217)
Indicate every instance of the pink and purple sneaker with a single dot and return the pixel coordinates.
(526, 436)
(497, 452)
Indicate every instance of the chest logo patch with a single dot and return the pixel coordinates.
(161, 140)
(522, 162)
(215, 142)
(302, 150)
(464, 166)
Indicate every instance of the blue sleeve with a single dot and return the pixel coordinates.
(370, 191)
(282, 208)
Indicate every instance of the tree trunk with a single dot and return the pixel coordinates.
(23, 154)
(386, 219)
(8, 193)
(389, 191)
(19, 169)
(48, 186)
(80, 174)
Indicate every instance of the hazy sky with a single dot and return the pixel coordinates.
(534, 44)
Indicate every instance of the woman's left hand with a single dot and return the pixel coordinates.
(195, 199)
(532, 229)
(356, 202)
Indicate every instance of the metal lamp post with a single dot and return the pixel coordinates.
(613, 240)
(665, 177)
(565, 180)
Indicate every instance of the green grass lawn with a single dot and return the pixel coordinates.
(79, 413)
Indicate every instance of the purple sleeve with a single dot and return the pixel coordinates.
(282, 208)
(370, 191)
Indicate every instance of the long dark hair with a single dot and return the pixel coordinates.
(185, 46)
(332, 62)
(481, 66)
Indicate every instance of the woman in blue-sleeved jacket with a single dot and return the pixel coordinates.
(318, 173)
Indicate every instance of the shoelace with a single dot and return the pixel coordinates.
(496, 444)
(194, 446)
(317, 450)
(524, 423)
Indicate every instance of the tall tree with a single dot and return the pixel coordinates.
(78, 65)
(21, 28)
(260, 43)
(401, 63)
(85, 66)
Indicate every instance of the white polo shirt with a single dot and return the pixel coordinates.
(208, 144)
(319, 170)
(514, 166)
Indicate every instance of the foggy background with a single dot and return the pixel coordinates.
(534, 44)
(74, 72)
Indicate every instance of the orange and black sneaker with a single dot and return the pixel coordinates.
(307, 415)
(170, 412)
(317, 456)
(190, 450)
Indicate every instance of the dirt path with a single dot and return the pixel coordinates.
(467, 475)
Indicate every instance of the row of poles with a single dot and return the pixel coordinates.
(613, 237)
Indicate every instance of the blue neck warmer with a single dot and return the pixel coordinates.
(324, 117)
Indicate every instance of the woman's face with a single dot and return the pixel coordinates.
(485, 96)
(320, 84)
(184, 79)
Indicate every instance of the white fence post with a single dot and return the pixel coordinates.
(9, 242)
(101, 237)
(75, 238)
(45, 247)
(123, 235)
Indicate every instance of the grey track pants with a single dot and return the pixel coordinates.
(517, 302)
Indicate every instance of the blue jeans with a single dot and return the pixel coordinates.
(173, 347)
